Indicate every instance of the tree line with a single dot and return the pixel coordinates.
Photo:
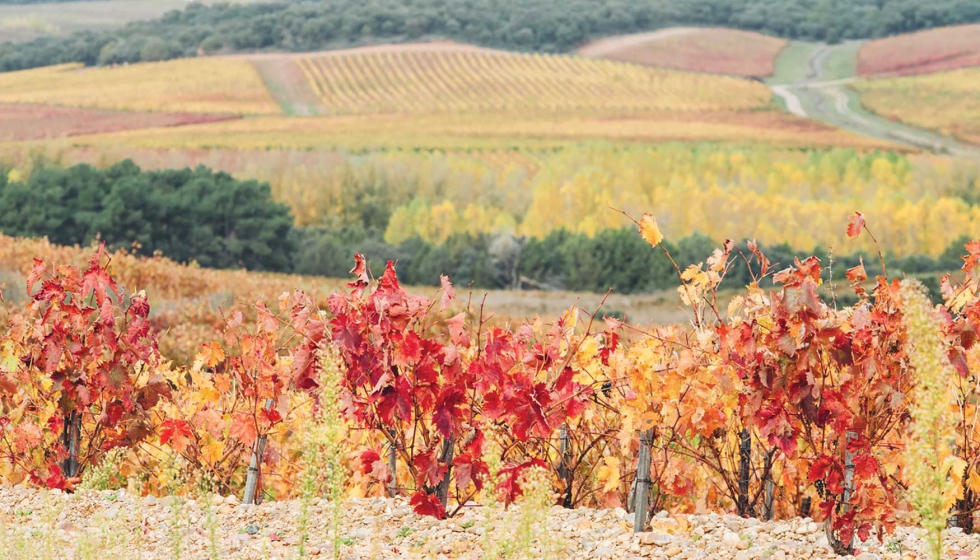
(221, 222)
(617, 259)
(525, 25)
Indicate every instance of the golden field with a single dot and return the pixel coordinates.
(486, 131)
(198, 85)
(947, 101)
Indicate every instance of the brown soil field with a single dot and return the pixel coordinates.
(710, 50)
(37, 122)
(924, 52)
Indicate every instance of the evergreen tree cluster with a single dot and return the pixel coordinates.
(189, 214)
(619, 260)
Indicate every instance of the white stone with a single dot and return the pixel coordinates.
(731, 539)
(659, 539)
(780, 529)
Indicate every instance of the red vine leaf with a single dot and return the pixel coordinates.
(427, 504)
(178, 433)
(855, 225)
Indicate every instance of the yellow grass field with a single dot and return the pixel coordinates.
(442, 81)
(484, 131)
(197, 85)
(948, 101)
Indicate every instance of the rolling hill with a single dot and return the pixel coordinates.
(430, 96)
(710, 50)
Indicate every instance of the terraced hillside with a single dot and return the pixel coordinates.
(711, 50)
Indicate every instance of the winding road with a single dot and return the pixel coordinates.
(817, 96)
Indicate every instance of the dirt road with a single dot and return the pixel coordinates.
(823, 94)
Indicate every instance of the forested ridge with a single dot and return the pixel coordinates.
(535, 25)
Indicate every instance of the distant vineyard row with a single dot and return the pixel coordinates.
(470, 81)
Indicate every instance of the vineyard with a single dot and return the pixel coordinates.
(183, 86)
(396, 81)
(188, 299)
(946, 101)
(439, 96)
(709, 50)
(779, 404)
(924, 52)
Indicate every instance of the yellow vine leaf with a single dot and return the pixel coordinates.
(962, 298)
(588, 350)
(649, 230)
(211, 452)
(955, 466)
(212, 353)
(609, 472)
(974, 481)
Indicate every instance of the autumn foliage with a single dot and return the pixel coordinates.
(776, 398)
(77, 378)
(433, 398)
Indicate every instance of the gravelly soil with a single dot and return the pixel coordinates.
(51, 524)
